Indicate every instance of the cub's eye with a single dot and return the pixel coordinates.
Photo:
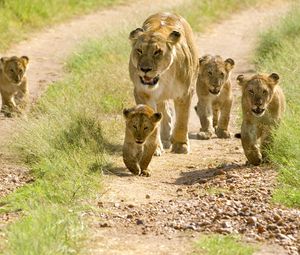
(139, 51)
(145, 128)
(265, 92)
(209, 73)
(251, 92)
(11, 70)
(157, 52)
(134, 126)
(222, 74)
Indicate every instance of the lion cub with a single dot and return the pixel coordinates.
(13, 84)
(214, 96)
(263, 105)
(141, 138)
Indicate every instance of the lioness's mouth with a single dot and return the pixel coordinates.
(258, 111)
(139, 141)
(149, 81)
(214, 92)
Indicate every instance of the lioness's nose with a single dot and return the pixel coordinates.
(146, 69)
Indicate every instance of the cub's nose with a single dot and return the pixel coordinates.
(146, 69)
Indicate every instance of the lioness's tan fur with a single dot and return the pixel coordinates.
(13, 84)
(214, 96)
(141, 138)
(163, 65)
(263, 105)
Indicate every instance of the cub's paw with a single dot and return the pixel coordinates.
(204, 135)
(221, 133)
(146, 173)
(180, 148)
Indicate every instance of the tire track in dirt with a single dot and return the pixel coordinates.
(140, 215)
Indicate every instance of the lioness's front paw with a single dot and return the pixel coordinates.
(221, 133)
(180, 148)
(203, 135)
(159, 151)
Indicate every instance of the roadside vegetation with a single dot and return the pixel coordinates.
(20, 17)
(223, 245)
(279, 51)
(200, 14)
(67, 142)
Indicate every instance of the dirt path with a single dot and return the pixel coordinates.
(48, 51)
(208, 190)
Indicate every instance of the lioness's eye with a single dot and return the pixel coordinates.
(265, 92)
(145, 128)
(139, 51)
(158, 52)
(11, 70)
(251, 92)
(209, 73)
(222, 74)
(134, 126)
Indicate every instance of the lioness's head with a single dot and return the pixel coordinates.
(14, 68)
(152, 54)
(258, 91)
(214, 71)
(141, 121)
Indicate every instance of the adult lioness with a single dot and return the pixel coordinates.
(163, 65)
(214, 96)
(263, 105)
(13, 84)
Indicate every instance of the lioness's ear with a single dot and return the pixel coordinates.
(204, 59)
(126, 113)
(274, 77)
(229, 64)
(174, 37)
(156, 117)
(240, 79)
(133, 36)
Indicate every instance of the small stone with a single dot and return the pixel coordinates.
(147, 196)
(260, 229)
(139, 222)
(129, 216)
(251, 221)
(104, 225)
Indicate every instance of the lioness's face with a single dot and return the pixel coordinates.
(215, 72)
(141, 123)
(14, 68)
(152, 55)
(258, 92)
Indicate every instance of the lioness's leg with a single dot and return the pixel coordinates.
(222, 129)
(165, 124)
(250, 144)
(205, 114)
(180, 142)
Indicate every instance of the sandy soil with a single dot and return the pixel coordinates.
(174, 176)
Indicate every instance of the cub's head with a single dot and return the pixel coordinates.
(257, 91)
(141, 121)
(214, 71)
(14, 68)
(152, 54)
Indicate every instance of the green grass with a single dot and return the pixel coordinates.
(202, 13)
(223, 245)
(279, 51)
(20, 17)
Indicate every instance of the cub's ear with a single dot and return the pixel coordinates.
(240, 79)
(3, 59)
(229, 64)
(274, 77)
(25, 60)
(174, 37)
(126, 113)
(134, 35)
(204, 59)
(156, 117)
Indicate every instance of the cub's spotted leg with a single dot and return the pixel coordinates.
(180, 141)
(266, 140)
(216, 113)
(132, 160)
(165, 124)
(148, 152)
(222, 129)
(250, 144)
(8, 104)
(205, 114)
